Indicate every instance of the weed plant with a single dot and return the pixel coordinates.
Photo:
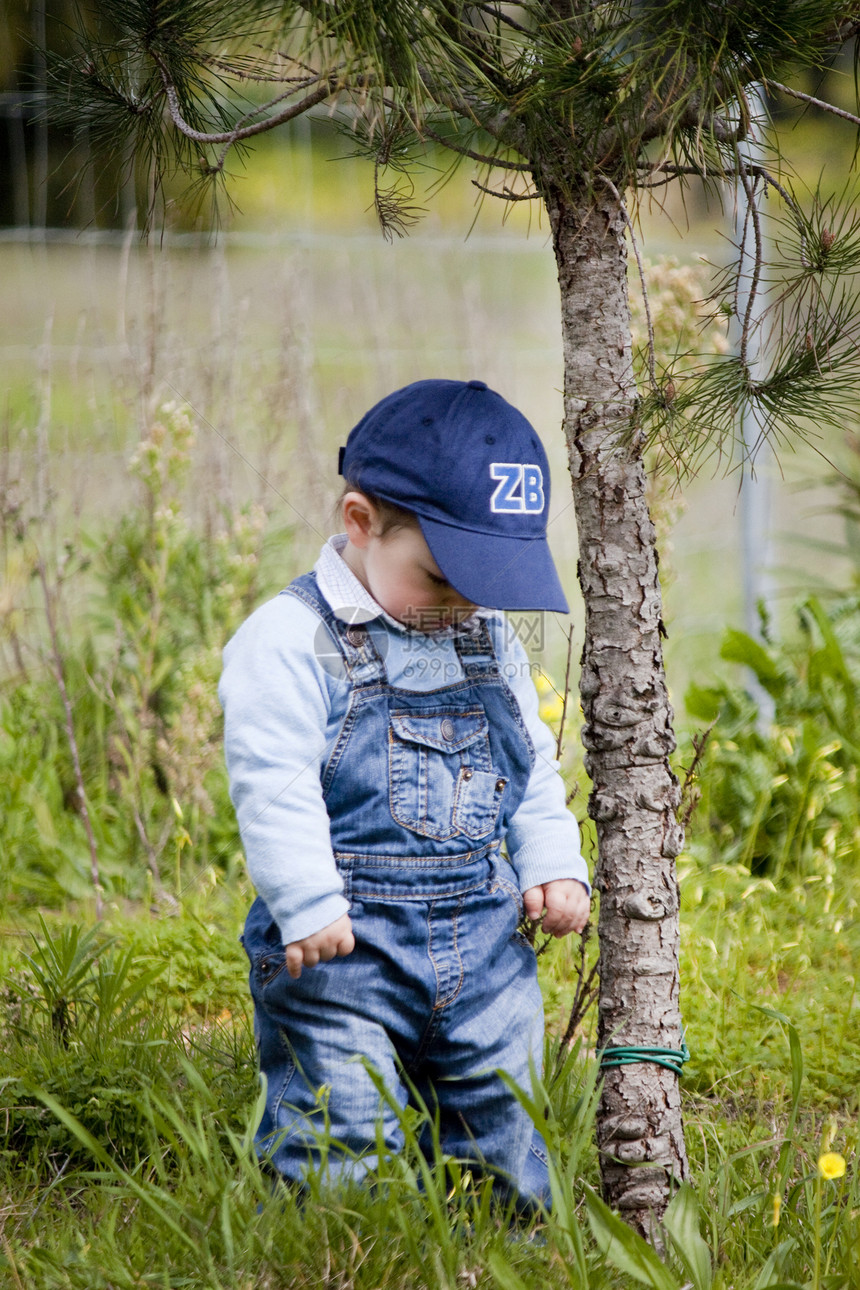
(785, 798)
(781, 796)
(140, 745)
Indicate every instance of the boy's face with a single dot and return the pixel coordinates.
(407, 582)
(401, 574)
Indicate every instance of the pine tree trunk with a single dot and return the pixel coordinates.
(628, 719)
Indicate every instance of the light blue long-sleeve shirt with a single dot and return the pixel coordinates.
(284, 705)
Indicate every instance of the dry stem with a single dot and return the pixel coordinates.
(57, 664)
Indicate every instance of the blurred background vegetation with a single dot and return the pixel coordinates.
(172, 408)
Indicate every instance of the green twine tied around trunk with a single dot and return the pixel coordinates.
(671, 1059)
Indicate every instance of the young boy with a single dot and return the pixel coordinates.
(383, 741)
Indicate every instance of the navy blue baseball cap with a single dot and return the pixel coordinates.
(474, 472)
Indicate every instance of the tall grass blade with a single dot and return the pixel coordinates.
(147, 1195)
(796, 1052)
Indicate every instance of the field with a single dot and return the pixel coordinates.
(171, 417)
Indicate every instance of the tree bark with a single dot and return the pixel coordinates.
(628, 719)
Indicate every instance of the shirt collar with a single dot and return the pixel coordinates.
(351, 602)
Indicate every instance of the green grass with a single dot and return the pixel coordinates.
(794, 949)
(130, 1097)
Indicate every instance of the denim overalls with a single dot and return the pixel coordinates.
(420, 788)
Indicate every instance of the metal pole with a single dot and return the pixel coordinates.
(754, 501)
(40, 170)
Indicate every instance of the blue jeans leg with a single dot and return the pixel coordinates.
(440, 986)
(322, 1104)
(495, 1023)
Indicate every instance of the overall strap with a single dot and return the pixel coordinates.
(361, 659)
(476, 651)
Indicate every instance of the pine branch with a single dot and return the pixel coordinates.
(506, 195)
(814, 102)
(476, 44)
(501, 16)
(238, 72)
(695, 118)
(468, 152)
(812, 377)
(498, 124)
(761, 173)
(754, 214)
(222, 156)
(422, 130)
(672, 170)
(392, 205)
(331, 83)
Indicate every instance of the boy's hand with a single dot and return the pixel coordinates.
(334, 941)
(566, 902)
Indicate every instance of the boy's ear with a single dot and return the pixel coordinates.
(360, 518)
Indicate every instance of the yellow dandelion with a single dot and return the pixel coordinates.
(831, 1165)
(544, 685)
(551, 708)
(777, 1206)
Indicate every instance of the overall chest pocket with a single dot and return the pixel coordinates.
(440, 773)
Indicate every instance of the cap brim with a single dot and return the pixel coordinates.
(498, 572)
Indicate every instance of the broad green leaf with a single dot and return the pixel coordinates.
(738, 647)
(681, 1221)
(703, 702)
(837, 665)
(793, 1044)
(569, 1233)
(747, 1202)
(626, 1249)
